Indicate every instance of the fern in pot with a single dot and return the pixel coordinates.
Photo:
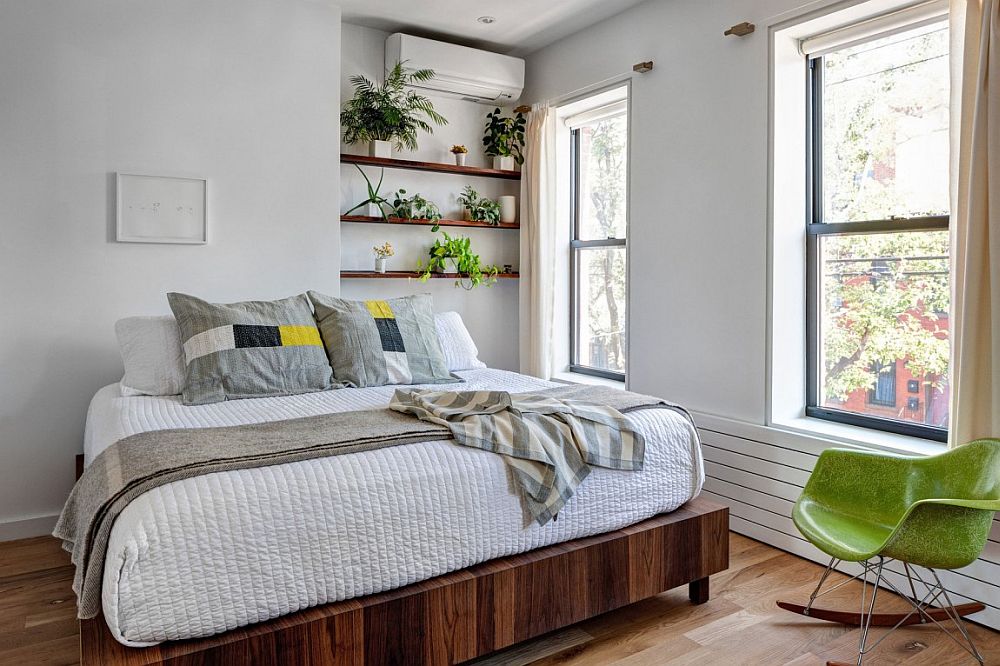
(391, 114)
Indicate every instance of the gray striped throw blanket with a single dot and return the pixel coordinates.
(549, 444)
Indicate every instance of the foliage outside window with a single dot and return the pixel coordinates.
(599, 343)
(878, 234)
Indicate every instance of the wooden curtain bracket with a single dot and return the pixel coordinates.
(643, 67)
(524, 108)
(741, 29)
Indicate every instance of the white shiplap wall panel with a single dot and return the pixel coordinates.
(760, 480)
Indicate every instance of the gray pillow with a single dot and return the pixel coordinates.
(249, 350)
(374, 343)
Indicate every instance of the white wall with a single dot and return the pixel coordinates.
(697, 231)
(242, 92)
(490, 314)
(698, 241)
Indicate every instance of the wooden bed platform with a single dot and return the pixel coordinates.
(468, 613)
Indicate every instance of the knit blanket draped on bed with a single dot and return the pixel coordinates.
(549, 444)
(141, 462)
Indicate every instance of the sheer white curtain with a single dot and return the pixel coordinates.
(975, 169)
(538, 234)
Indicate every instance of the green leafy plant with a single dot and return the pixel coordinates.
(415, 208)
(389, 112)
(505, 135)
(373, 194)
(456, 253)
(480, 209)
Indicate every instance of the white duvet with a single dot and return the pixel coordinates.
(212, 553)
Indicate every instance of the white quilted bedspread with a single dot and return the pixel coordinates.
(208, 554)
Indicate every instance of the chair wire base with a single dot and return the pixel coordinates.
(920, 604)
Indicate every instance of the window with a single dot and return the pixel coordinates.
(884, 393)
(598, 260)
(878, 244)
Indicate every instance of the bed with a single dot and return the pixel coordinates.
(219, 559)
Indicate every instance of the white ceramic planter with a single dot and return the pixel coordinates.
(508, 209)
(460, 159)
(374, 210)
(380, 149)
(380, 264)
(504, 162)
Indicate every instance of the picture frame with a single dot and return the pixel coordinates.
(161, 209)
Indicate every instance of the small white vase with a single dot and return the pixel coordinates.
(381, 149)
(503, 162)
(508, 209)
(380, 264)
(459, 159)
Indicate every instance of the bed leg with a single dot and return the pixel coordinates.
(698, 591)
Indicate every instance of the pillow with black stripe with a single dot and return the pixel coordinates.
(374, 343)
(249, 350)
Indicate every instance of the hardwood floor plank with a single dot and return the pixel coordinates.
(738, 625)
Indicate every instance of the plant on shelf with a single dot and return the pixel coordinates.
(415, 208)
(382, 252)
(504, 139)
(479, 209)
(456, 254)
(459, 151)
(392, 112)
(375, 201)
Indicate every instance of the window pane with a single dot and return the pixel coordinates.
(603, 161)
(884, 325)
(885, 127)
(600, 317)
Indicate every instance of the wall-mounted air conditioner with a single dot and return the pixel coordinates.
(459, 71)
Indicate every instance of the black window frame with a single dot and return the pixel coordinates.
(576, 246)
(816, 229)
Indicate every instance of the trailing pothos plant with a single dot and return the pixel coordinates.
(456, 254)
(390, 111)
(415, 208)
(480, 208)
(373, 194)
(505, 135)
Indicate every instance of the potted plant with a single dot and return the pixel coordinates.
(459, 151)
(382, 252)
(479, 209)
(390, 114)
(415, 208)
(375, 201)
(454, 255)
(504, 139)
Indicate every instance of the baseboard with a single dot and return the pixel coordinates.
(27, 527)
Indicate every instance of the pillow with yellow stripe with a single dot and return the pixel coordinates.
(374, 343)
(249, 350)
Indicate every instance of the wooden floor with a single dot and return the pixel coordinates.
(739, 625)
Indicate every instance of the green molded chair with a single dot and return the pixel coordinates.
(873, 508)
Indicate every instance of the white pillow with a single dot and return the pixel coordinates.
(152, 353)
(460, 352)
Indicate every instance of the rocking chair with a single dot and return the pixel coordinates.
(875, 508)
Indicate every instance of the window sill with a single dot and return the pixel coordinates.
(860, 436)
(580, 378)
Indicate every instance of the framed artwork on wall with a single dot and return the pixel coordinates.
(161, 209)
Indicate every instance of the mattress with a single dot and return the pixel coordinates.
(208, 554)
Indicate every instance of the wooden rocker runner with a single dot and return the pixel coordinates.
(878, 510)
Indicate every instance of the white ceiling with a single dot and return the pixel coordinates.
(521, 25)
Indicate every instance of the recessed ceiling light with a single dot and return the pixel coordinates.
(486, 19)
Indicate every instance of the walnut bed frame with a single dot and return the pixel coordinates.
(467, 613)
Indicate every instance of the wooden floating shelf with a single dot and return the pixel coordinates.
(388, 275)
(414, 165)
(427, 223)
